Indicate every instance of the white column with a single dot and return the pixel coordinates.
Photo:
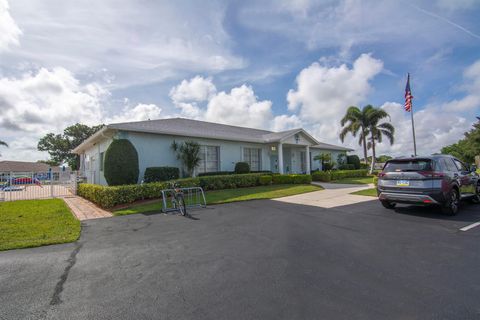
(307, 159)
(280, 158)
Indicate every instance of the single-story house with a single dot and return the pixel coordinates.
(222, 146)
(24, 167)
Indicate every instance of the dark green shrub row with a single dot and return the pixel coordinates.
(110, 196)
(224, 173)
(156, 174)
(326, 176)
(354, 160)
(292, 179)
(346, 166)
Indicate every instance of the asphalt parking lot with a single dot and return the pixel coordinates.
(254, 260)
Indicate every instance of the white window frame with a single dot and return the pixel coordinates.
(249, 160)
(203, 165)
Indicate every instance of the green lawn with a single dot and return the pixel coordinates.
(359, 180)
(33, 223)
(367, 192)
(230, 195)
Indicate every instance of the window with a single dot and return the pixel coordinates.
(408, 165)
(101, 160)
(209, 159)
(460, 165)
(450, 165)
(252, 156)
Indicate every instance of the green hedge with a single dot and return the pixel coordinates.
(156, 174)
(265, 180)
(326, 176)
(110, 196)
(292, 179)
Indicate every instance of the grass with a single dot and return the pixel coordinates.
(367, 192)
(357, 180)
(33, 223)
(230, 195)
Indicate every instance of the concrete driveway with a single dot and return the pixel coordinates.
(254, 260)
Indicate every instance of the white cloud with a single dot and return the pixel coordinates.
(137, 44)
(196, 89)
(50, 100)
(239, 107)
(433, 130)
(9, 31)
(285, 122)
(138, 113)
(324, 93)
(198, 98)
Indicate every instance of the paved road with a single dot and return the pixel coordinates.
(254, 260)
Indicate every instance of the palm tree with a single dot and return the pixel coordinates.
(3, 143)
(357, 121)
(378, 130)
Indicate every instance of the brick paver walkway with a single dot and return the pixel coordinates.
(84, 209)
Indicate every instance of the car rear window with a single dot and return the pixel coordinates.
(408, 165)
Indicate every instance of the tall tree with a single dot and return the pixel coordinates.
(378, 130)
(356, 121)
(3, 143)
(60, 146)
(467, 148)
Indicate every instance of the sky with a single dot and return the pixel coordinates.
(273, 65)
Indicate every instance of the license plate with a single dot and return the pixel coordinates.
(403, 183)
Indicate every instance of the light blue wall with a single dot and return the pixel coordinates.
(155, 150)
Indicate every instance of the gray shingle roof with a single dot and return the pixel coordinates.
(22, 166)
(202, 129)
(193, 128)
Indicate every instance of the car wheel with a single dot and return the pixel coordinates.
(451, 206)
(476, 197)
(388, 204)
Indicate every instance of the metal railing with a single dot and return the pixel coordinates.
(194, 198)
(36, 185)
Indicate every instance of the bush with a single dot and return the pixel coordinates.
(354, 160)
(341, 174)
(156, 174)
(347, 166)
(121, 163)
(375, 180)
(323, 176)
(215, 173)
(265, 180)
(229, 181)
(292, 179)
(242, 167)
(364, 166)
(327, 166)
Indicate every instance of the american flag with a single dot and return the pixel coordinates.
(408, 96)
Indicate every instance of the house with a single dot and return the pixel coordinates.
(24, 167)
(222, 146)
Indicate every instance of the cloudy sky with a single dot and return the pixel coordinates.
(265, 64)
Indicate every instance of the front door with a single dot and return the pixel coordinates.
(303, 164)
(274, 163)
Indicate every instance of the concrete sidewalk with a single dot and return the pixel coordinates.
(334, 195)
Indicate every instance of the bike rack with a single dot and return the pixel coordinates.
(194, 198)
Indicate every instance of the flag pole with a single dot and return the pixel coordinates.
(413, 131)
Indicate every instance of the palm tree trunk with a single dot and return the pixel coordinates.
(365, 155)
(373, 155)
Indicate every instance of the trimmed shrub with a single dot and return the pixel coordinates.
(156, 174)
(229, 181)
(121, 163)
(265, 180)
(341, 174)
(347, 166)
(354, 160)
(215, 173)
(242, 167)
(323, 176)
(291, 179)
(375, 180)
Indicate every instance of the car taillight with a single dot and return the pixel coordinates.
(432, 174)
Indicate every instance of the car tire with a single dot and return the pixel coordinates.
(450, 207)
(476, 197)
(388, 204)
